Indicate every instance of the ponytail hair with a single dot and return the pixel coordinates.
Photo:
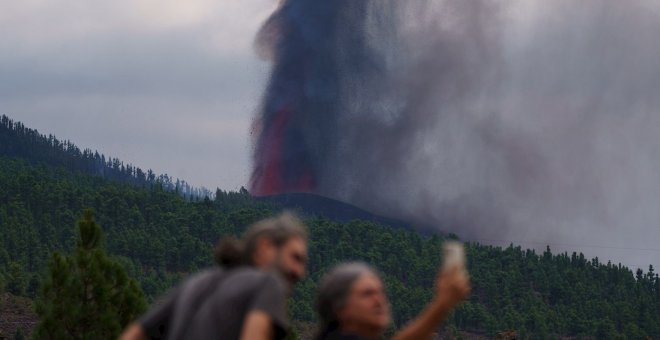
(228, 253)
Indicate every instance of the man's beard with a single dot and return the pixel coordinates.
(289, 276)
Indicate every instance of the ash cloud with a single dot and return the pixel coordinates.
(533, 128)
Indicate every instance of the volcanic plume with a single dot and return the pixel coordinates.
(501, 120)
(353, 89)
(298, 123)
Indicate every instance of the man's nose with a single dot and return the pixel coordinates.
(380, 299)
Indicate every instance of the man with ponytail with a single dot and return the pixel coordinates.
(244, 297)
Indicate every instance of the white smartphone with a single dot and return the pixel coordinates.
(453, 255)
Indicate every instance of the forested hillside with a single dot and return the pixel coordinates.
(17, 140)
(160, 237)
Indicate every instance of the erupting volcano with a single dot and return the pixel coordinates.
(283, 160)
(300, 108)
(491, 119)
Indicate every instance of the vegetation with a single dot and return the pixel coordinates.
(17, 140)
(87, 295)
(158, 237)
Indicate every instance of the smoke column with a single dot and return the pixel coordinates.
(298, 124)
(497, 120)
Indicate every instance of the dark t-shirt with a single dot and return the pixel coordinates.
(213, 305)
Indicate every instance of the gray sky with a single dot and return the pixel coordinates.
(166, 85)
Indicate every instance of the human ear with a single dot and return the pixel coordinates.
(265, 252)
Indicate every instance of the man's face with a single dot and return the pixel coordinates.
(292, 259)
(366, 305)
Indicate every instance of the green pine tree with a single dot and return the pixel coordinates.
(87, 295)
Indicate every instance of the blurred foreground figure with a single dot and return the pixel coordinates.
(352, 304)
(243, 298)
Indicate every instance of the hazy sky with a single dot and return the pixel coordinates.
(166, 85)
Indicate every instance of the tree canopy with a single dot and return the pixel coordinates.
(87, 295)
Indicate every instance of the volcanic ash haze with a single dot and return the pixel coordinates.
(504, 121)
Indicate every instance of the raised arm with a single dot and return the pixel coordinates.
(452, 287)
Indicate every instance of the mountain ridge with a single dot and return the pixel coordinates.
(310, 204)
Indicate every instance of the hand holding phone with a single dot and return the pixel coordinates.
(453, 255)
(453, 281)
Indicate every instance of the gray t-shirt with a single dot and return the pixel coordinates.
(213, 305)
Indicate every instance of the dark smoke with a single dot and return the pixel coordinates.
(497, 120)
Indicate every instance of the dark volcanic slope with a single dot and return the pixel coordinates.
(315, 205)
